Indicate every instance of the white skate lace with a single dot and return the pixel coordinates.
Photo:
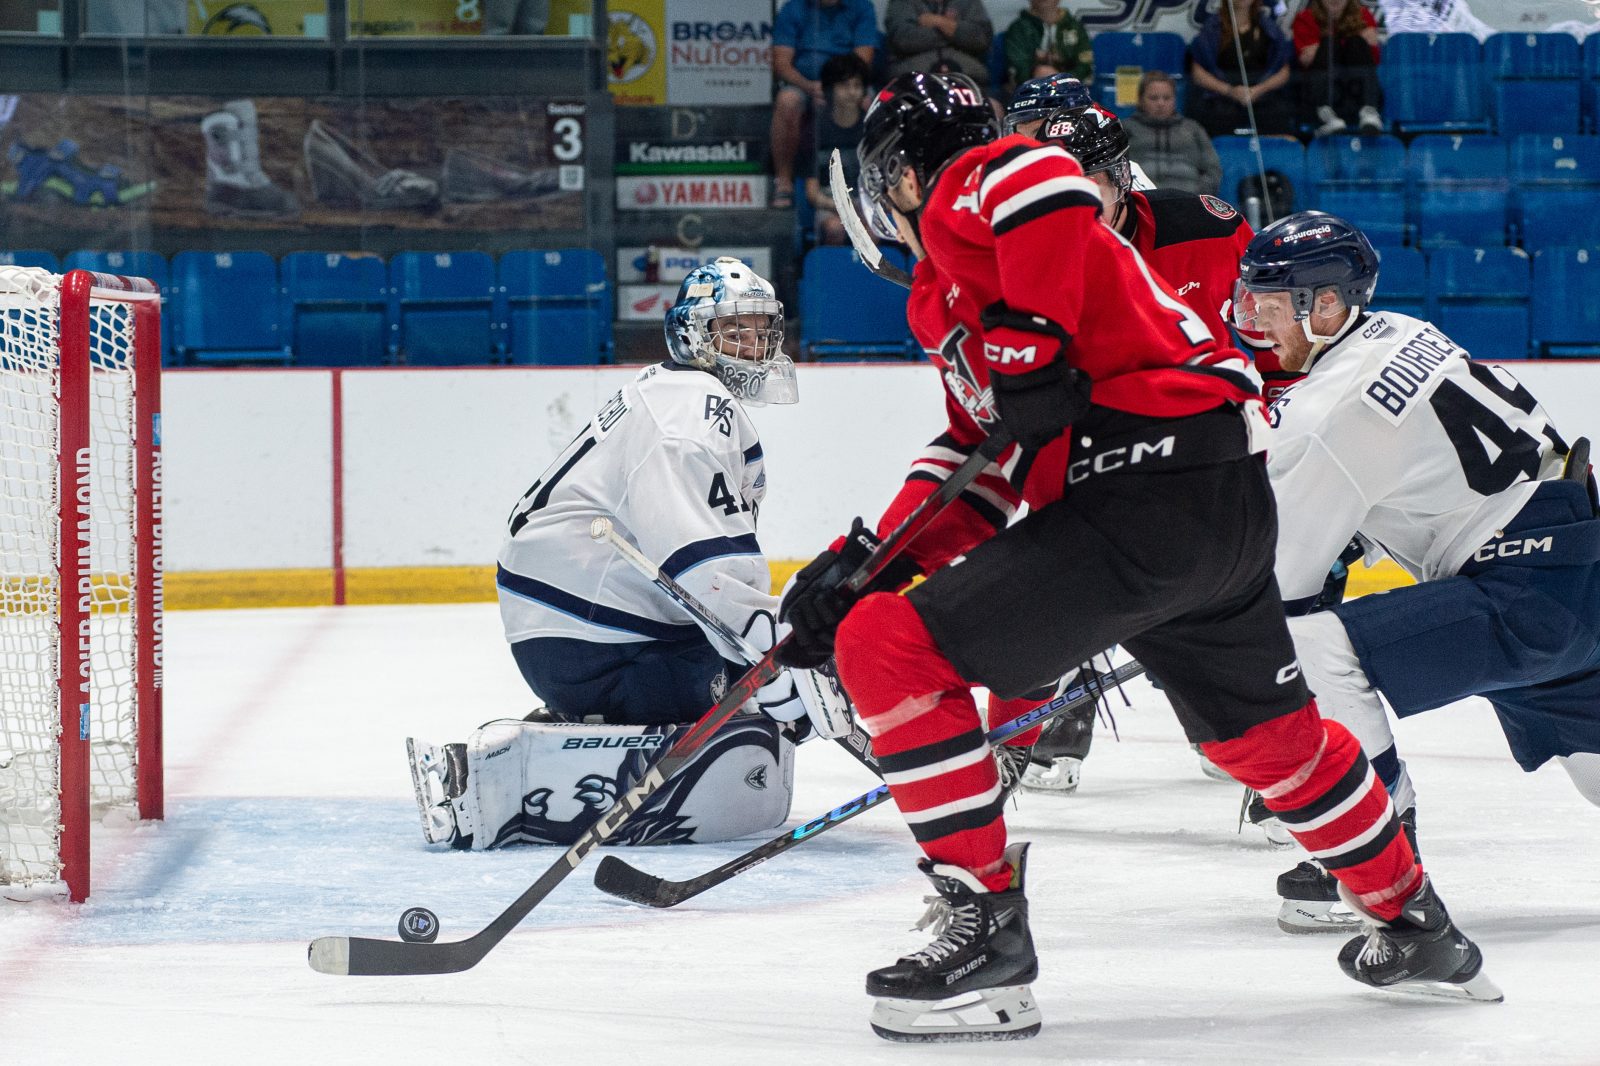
(1377, 951)
(1013, 761)
(953, 928)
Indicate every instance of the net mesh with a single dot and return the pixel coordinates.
(30, 652)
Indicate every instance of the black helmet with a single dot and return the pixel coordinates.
(1037, 98)
(920, 121)
(1307, 253)
(1095, 137)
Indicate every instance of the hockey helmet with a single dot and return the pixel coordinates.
(921, 122)
(1304, 254)
(727, 320)
(1035, 99)
(1095, 138)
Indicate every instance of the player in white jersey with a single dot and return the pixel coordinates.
(674, 462)
(1451, 468)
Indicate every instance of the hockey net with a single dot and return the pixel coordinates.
(80, 557)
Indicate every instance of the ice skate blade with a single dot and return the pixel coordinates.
(1300, 917)
(987, 1014)
(1480, 989)
(1060, 778)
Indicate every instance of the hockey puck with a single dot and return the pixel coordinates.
(419, 925)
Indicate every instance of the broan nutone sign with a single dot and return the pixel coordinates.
(719, 52)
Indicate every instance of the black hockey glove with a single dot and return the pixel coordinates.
(1332, 593)
(818, 601)
(1036, 405)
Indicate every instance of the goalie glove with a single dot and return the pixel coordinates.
(1036, 393)
(816, 600)
(814, 695)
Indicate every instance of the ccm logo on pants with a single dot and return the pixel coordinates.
(1116, 458)
(1288, 673)
(1506, 549)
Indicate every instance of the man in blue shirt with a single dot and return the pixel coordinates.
(805, 35)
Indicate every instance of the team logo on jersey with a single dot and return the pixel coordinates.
(959, 378)
(1220, 208)
(719, 412)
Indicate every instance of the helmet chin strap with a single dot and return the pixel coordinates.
(1318, 340)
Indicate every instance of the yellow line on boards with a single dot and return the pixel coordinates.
(221, 589)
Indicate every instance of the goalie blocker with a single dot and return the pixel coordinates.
(546, 781)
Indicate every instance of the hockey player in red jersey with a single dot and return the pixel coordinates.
(1132, 430)
(1193, 242)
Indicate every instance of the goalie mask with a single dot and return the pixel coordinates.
(1305, 254)
(728, 321)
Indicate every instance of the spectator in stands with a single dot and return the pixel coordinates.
(1220, 91)
(501, 17)
(1336, 50)
(844, 83)
(1174, 151)
(1046, 39)
(938, 37)
(805, 35)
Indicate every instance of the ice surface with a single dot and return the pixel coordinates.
(290, 816)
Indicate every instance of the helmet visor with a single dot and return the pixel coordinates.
(872, 194)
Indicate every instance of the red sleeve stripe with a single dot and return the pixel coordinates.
(1042, 199)
(1015, 161)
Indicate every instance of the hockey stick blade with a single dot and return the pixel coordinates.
(616, 877)
(871, 255)
(363, 956)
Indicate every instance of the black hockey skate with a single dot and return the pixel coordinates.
(1421, 952)
(971, 982)
(1056, 766)
(1310, 894)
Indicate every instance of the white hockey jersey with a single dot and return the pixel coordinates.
(674, 461)
(1397, 435)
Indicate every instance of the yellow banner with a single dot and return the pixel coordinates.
(636, 64)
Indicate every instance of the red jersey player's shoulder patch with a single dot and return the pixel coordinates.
(1220, 208)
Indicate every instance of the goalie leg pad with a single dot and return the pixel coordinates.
(545, 783)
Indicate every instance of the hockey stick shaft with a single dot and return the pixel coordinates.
(856, 229)
(856, 741)
(618, 878)
(373, 957)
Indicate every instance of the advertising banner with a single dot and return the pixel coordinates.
(710, 192)
(96, 171)
(728, 156)
(719, 52)
(644, 303)
(636, 66)
(673, 264)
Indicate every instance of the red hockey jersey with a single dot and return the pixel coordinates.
(1017, 222)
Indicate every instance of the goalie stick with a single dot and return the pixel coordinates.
(871, 255)
(618, 878)
(367, 956)
(856, 741)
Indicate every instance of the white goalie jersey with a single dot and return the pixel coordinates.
(674, 461)
(1397, 435)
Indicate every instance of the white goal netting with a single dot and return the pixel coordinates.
(32, 546)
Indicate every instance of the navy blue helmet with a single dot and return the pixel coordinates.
(1035, 99)
(1306, 253)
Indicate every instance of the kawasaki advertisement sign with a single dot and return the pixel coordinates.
(719, 157)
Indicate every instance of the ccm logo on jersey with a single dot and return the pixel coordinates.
(1117, 458)
(1509, 548)
(1003, 354)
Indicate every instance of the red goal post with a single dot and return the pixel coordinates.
(80, 566)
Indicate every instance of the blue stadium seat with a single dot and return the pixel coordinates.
(1532, 82)
(31, 257)
(1566, 316)
(1460, 188)
(1479, 298)
(1589, 82)
(1556, 188)
(150, 265)
(225, 308)
(846, 311)
(1361, 179)
(1239, 163)
(1433, 82)
(442, 308)
(336, 308)
(558, 306)
(1402, 281)
(1135, 53)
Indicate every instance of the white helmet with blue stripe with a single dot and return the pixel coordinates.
(728, 320)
